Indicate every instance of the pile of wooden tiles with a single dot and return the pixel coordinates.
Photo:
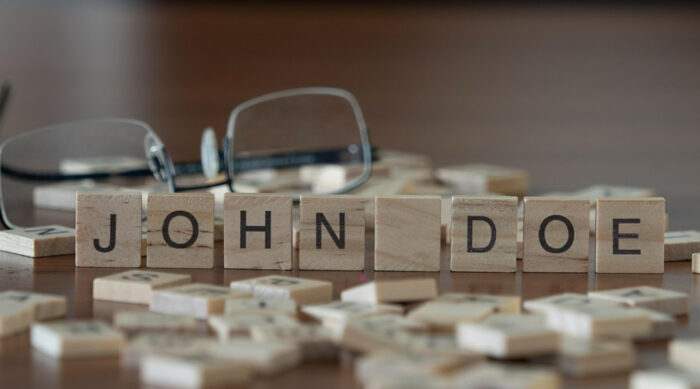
(399, 332)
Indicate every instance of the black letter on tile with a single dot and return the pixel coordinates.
(166, 227)
(470, 233)
(569, 241)
(339, 241)
(616, 236)
(112, 236)
(267, 228)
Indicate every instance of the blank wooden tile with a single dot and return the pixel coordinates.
(392, 291)
(696, 263)
(197, 370)
(507, 335)
(337, 311)
(325, 242)
(314, 341)
(42, 241)
(76, 339)
(135, 286)
(15, 317)
(45, 306)
(108, 230)
(500, 304)
(302, 290)
(684, 353)
(164, 343)
(180, 230)
(680, 245)
(393, 363)
(662, 300)
(199, 300)
(630, 236)
(377, 332)
(664, 378)
(595, 321)
(497, 376)
(267, 241)
(266, 358)
(556, 233)
(153, 321)
(490, 244)
(480, 178)
(230, 327)
(261, 305)
(407, 233)
(443, 316)
(585, 357)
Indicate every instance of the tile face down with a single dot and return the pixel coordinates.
(180, 230)
(484, 234)
(332, 233)
(257, 231)
(630, 235)
(392, 291)
(41, 241)
(108, 230)
(407, 233)
(77, 339)
(134, 286)
(556, 234)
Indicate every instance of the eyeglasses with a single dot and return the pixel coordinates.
(273, 143)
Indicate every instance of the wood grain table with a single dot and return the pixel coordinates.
(577, 95)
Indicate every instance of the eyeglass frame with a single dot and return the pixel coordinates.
(161, 166)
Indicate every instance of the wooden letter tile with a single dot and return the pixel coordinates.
(630, 235)
(164, 343)
(43, 241)
(108, 230)
(266, 358)
(258, 231)
(585, 357)
(685, 353)
(480, 179)
(483, 234)
(283, 306)
(231, 327)
(77, 339)
(332, 233)
(491, 375)
(506, 335)
(392, 291)
(680, 245)
(595, 321)
(339, 311)
(314, 341)
(195, 370)
(556, 233)
(376, 332)
(302, 290)
(153, 321)
(696, 263)
(664, 378)
(45, 306)
(443, 316)
(180, 230)
(407, 233)
(662, 300)
(199, 300)
(134, 286)
(15, 317)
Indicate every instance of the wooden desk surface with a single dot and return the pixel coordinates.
(577, 95)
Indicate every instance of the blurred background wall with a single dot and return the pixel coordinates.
(576, 94)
